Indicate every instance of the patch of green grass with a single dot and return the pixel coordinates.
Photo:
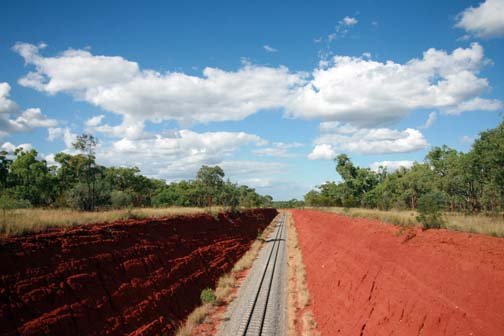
(208, 296)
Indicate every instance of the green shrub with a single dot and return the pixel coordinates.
(8, 202)
(87, 197)
(208, 296)
(121, 199)
(429, 209)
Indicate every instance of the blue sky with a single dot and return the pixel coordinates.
(269, 91)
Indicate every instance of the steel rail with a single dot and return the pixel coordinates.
(276, 243)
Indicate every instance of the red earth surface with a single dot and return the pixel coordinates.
(370, 278)
(135, 277)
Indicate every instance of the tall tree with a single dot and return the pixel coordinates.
(86, 143)
(211, 179)
(29, 178)
(488, 160)
(5, 163)
(345, 167)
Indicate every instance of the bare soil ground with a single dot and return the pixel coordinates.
(136, 277)
(370, 278)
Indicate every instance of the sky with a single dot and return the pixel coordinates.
(270, 91)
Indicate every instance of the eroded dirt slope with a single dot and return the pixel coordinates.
(139, 277)
(368, 278)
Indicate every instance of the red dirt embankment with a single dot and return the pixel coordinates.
(137, 277)
(368, 278)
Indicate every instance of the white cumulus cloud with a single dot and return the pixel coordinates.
(120, 86)
(391, 165)
(356, 90)
(6, 105)
(176, 154)
(15, 120)
(94, 121)
(369, 93)
(65, 134)
(475, 104)
(349, 21)
(486, 20)
(322, 152)
(10, 148)
(337, 137)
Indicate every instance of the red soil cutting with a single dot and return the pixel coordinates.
(136, 277)
(370, 278)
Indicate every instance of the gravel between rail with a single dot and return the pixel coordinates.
(261, 304)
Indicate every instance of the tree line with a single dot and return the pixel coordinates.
(469, 182)
(79, 182)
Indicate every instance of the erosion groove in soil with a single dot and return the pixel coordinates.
(370, 278)
(138, 277)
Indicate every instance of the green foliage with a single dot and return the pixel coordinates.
(88, 173)
(128, 188)
(345, 167)
(313, 198)
(208, 296)
(82, 197)
(429, 208)
(5, 163)
(370, 199)
(356, 183)
(79, 182)
(469, 182)
(487, 158)
(211, 182)
(121, 199)
(30, 179)
(7, 202)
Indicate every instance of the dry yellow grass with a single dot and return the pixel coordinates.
(309, 324)
(197, 317)
(224, 288)
(21, 221)
(226, 284)
(489, 225)
(483, 224)
(298, 294)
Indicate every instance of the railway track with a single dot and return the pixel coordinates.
(258, 321)
(260, 307)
